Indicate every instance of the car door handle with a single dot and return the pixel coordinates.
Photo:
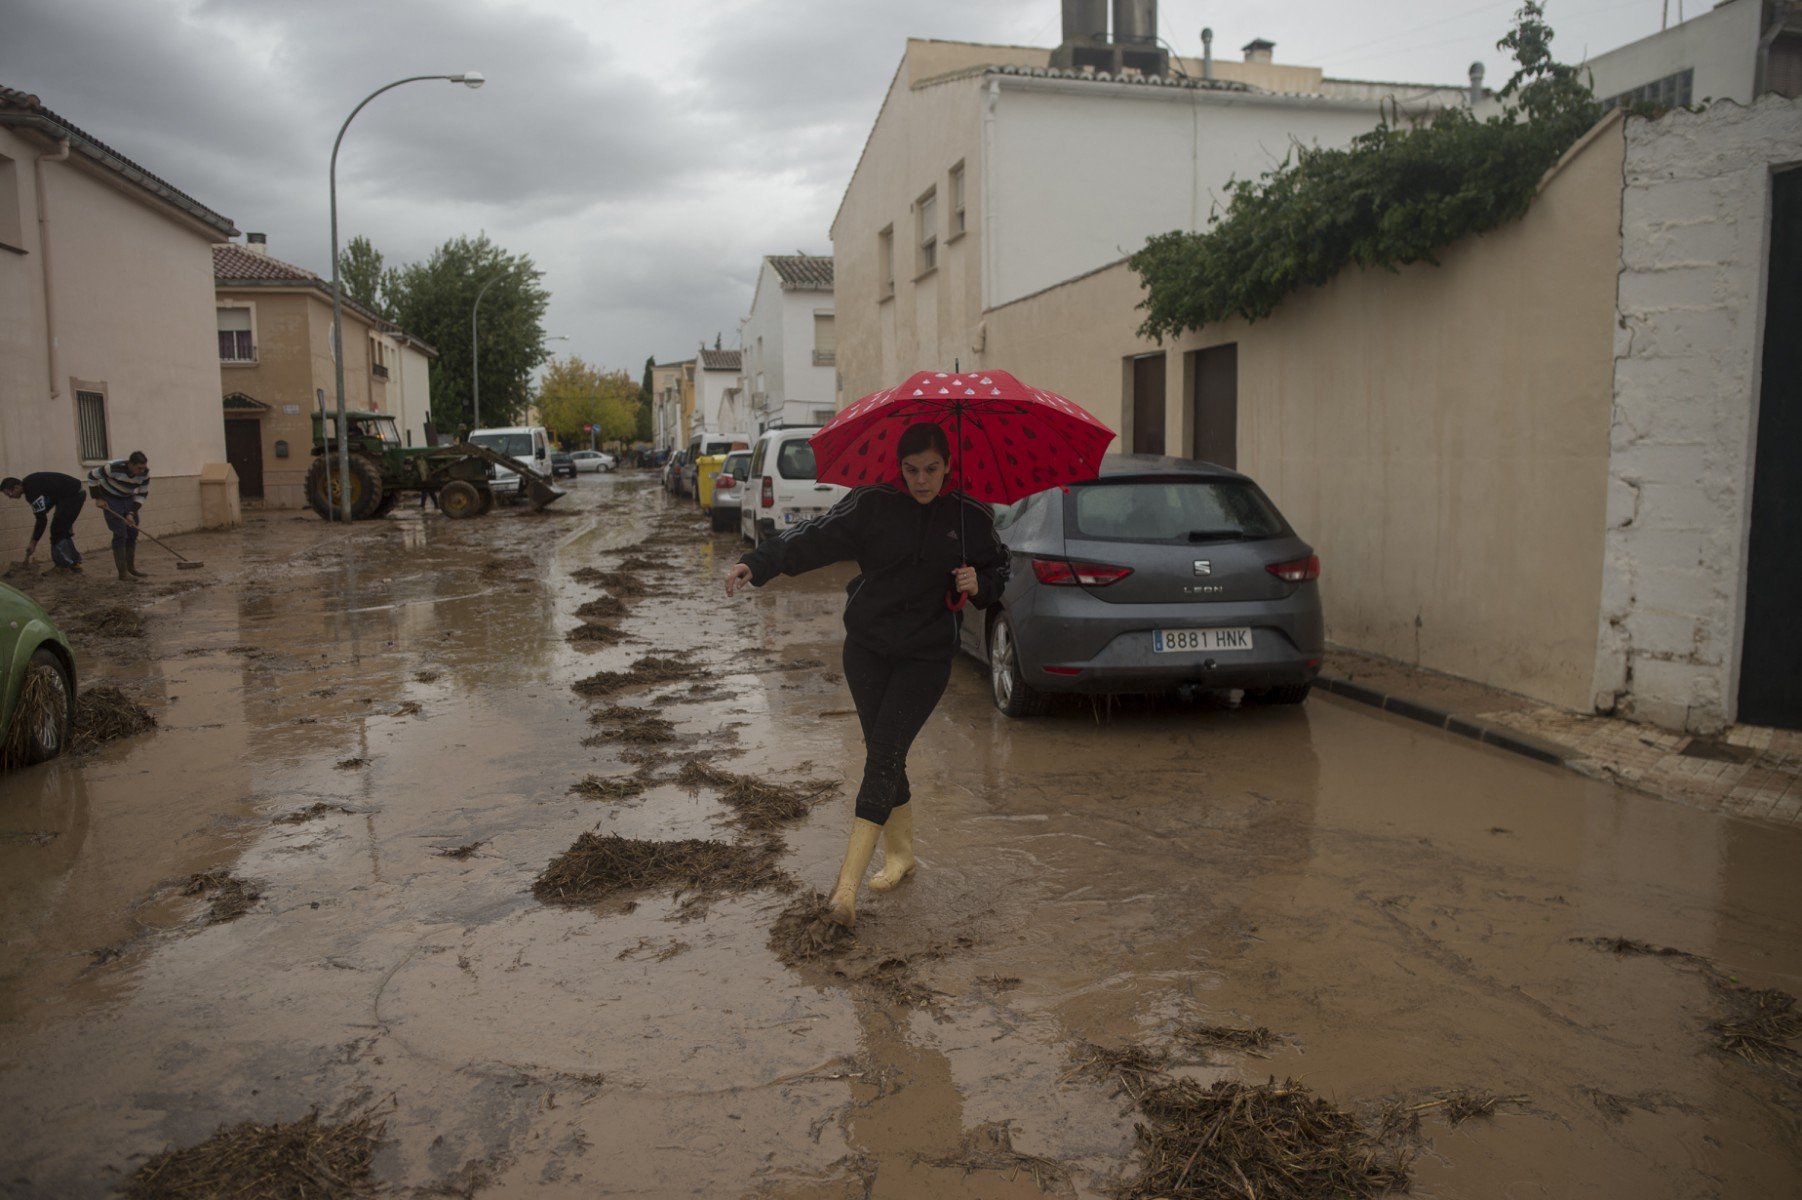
(822, 487)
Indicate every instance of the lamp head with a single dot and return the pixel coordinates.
(469, 79)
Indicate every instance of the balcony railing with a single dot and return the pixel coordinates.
(379, 370)
(825, 358)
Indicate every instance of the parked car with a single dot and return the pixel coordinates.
(700, 445)
(562, 464)
(530, 444)
(590, 461)
(1160, 573)
(729, 488)
(39, 695)
(672, 473)
(787, 488)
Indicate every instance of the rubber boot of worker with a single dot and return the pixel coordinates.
(897, 849)
(131, 561)
(842, 908)
(119, 561)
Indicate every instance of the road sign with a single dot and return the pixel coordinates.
(587, 429)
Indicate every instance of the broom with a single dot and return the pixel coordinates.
(185, 564)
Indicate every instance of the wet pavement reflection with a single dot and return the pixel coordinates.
(1405, 910)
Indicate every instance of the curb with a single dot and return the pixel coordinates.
(1439, 718)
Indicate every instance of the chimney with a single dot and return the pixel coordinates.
(1258, 50)
(1207, 53)
(1136, 22)
(1476, 84)
(1085, 21)
(257, 243)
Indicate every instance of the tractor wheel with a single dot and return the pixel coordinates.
(487, 501)
(460, 498)
(365, 487)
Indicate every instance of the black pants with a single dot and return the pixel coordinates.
(62, 530)
(894, 696)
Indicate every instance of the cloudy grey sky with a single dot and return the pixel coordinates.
(646, 153)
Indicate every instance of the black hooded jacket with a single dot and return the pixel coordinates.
(906, 552)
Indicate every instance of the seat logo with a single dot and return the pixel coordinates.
(1203, 567)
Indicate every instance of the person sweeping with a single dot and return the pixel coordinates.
(122, 486)
(914, 543)
(56, 499)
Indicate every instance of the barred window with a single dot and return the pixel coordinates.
(90, 425)
(1673, 91)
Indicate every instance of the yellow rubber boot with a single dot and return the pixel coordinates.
(897, 849)
(843, 905)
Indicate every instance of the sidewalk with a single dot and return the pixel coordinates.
(1748, 771)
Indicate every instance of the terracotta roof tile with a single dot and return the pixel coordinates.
(235, 262)
(720, 360)
(803, 272)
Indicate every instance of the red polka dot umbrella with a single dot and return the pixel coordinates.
(1008, 439)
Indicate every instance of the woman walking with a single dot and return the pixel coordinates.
(918, 546)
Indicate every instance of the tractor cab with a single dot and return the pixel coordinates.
(369, 433)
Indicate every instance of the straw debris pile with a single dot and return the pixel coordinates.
(601, 866)
(229, 897)
(803, 933)
(111, 620)
(1270, 1140)
(650, 669)
(105, 714)
(300, 1160)
(757, 804)
(602, 608)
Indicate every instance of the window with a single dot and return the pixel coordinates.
(12, 222)
(825, 340)
(795, 460)
(1184, 511)
(235, 342)
(927, 211)
(957, 201)
(90, 426)
(378, 358)
(885, 262)
(1673, 91)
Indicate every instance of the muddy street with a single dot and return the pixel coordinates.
(385, 856)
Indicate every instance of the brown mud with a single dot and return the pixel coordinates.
(1326, 873)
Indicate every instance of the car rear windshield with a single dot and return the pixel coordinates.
(736, 464)
(1172, 510)
(795, 460)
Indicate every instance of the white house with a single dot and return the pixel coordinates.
(1738, 50)
(720, 403)
(789, 345)
(991, 174)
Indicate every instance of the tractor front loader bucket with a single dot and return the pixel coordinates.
(539, 490)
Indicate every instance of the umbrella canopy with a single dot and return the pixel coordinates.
(1008, 439)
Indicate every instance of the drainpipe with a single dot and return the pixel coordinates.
(52, 362)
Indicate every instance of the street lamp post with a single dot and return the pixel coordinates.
(475, 356)
(469, 79)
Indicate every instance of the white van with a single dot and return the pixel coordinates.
(783, 488)
(530, 444)
(699, 446)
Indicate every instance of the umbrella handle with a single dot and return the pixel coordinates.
(955, 601)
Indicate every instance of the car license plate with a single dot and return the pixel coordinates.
(1176, 641)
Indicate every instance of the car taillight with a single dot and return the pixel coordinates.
(768, 498)
(725, 481)
(1302, 570)
(1059, 573)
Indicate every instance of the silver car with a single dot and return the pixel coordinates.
(1158, 574)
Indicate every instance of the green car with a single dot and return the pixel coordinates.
(40, 681)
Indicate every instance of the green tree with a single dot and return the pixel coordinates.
(434, 299)
(365, 278)
(1396, 195)
(645, 425)
(573, 394)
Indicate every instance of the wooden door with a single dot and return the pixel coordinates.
(244, 451)
(1215, 412)
(1148, 404)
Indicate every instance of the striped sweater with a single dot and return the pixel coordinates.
(117, 481)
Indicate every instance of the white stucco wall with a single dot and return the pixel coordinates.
(409, 388)
(777, 341)
(1720, 46)
(134, 318)
(1081, 173)
(715, 410)
(1695, 228)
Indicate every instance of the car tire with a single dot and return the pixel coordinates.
(45, 715)
(1290, 693)
(1007, 685)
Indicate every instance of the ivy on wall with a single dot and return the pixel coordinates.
(1396, 195)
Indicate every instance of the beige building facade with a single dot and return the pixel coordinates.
(106, 346)
(274, 321)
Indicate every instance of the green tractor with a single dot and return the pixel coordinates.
(381, 470)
